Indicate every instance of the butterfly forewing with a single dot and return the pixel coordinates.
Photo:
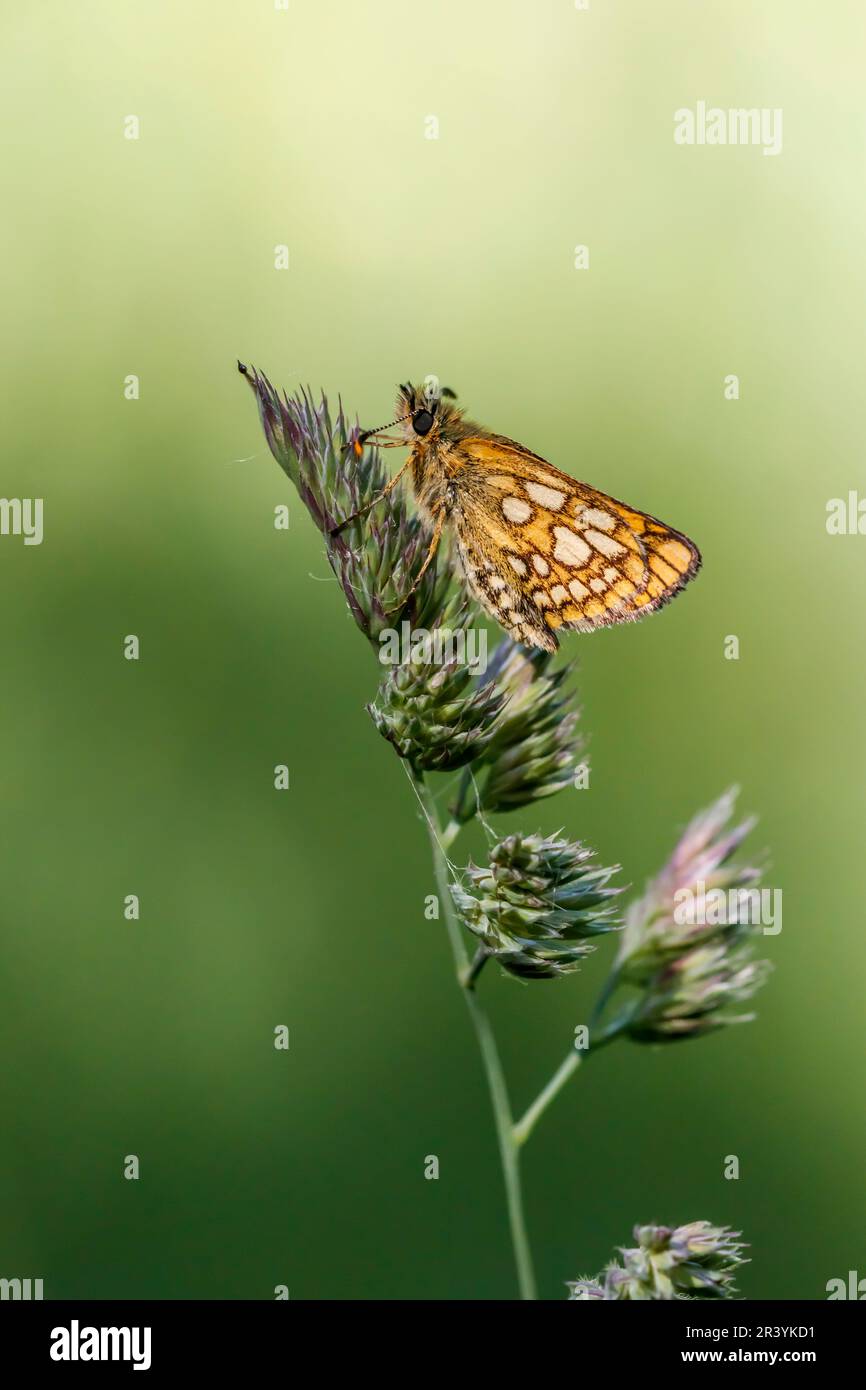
(542, 551)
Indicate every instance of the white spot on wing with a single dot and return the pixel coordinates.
(549, 497)
(559, 593)
(541, 565)
(593, 517)
(515, 509)
(598, 586)
(605, 544)
(578, 590)
(517, 564)
(571, 549)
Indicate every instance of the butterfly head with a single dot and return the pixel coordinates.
(423, 412)
(425, 409)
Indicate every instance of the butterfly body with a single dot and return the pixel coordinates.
(540, 551)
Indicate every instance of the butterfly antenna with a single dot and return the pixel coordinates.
(360, 440)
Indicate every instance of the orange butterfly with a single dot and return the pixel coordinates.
(540, 551)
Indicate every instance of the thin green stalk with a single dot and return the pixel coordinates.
(509, 1151)
(607, 992)
(526, 1124)
(449, 834)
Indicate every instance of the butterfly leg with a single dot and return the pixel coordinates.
(434, 546)
(335, 530)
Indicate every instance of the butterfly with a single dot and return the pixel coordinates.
(541, 552)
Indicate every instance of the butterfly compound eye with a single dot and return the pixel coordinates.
(422, 421)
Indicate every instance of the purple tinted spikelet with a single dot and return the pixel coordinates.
(377, 557)
(694, 1261)
(687, 943)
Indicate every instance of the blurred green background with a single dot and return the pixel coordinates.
(155, 257)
